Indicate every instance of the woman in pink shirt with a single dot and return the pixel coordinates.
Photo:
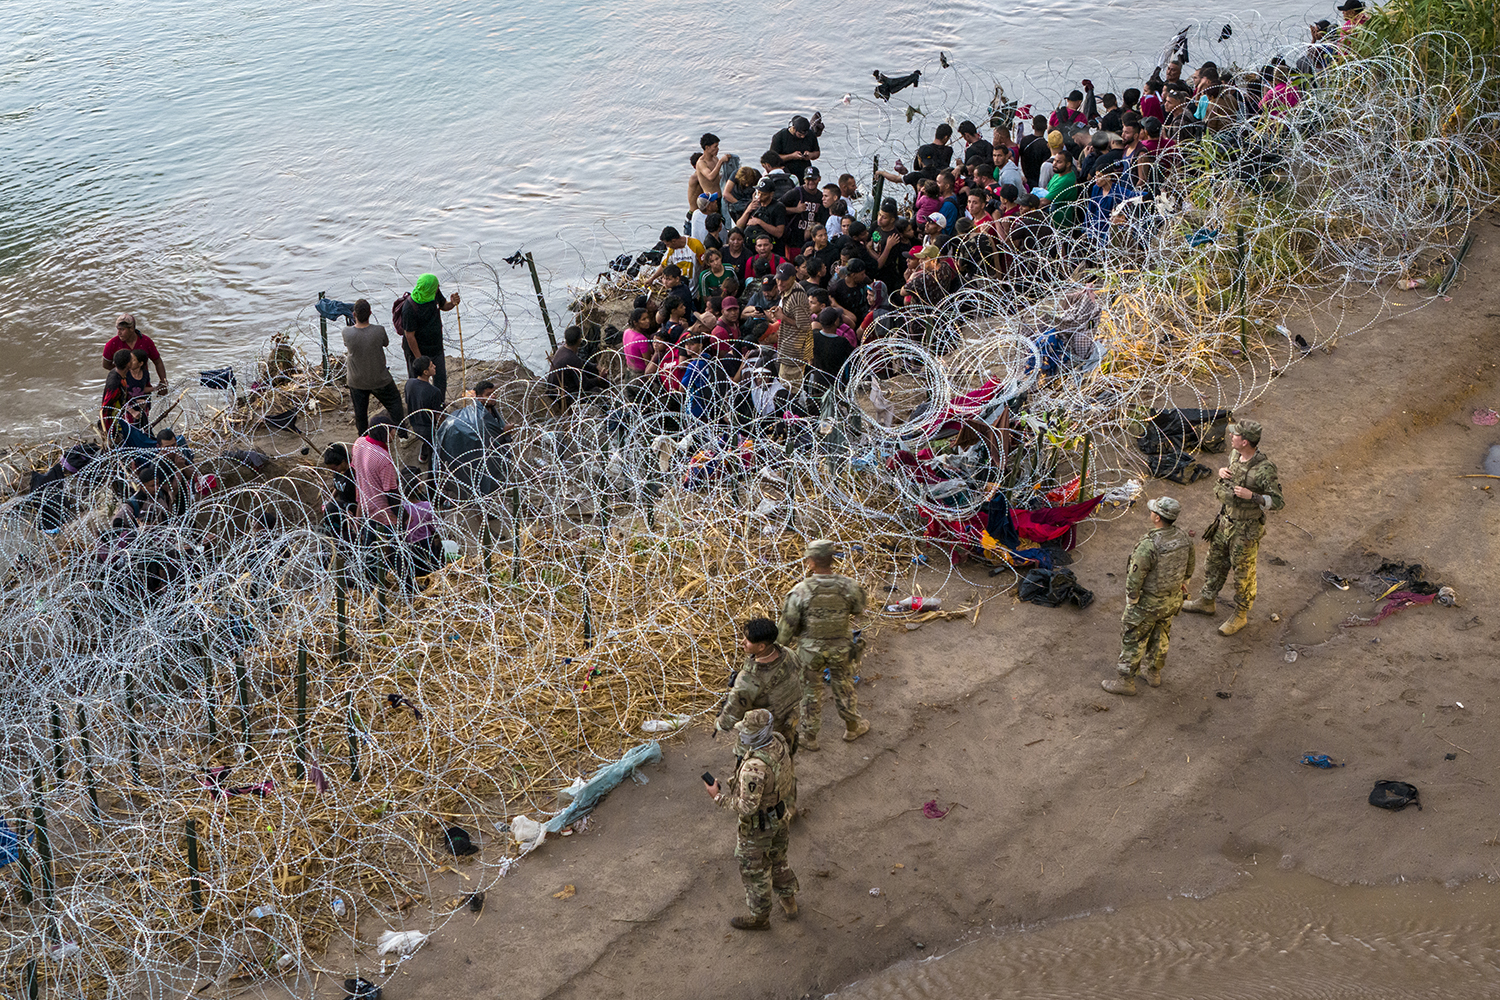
(1281, 96)
(636, 346)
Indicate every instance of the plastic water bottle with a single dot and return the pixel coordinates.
(339, 909)
(263, 911)
(916, 603)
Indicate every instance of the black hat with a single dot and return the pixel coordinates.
(1350, 6)
(669, 234)
(766, 184)
(801, 124)
(1323, 25)
(967, 128)
(786, 272)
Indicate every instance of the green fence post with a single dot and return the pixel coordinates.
(131, 735)
(59, 763)
(242, 683)
(301, 709)
(43, 843)
(195, 882)
(541, 300)
(353, 736)
(88, 764)
(323, 329)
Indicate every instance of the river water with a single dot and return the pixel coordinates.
(212, 167)
(1283, 936)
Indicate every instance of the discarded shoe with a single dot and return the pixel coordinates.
(752, 922)
(1233, 625)
(860, 728)
(1199, 606)
(789, 907)
(1120, 685)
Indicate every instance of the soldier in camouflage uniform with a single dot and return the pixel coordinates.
(763, 773)
(816, 617)
(769, 678)
(1247, 488)
(1155, 584)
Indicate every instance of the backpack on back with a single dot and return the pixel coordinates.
(397, 308)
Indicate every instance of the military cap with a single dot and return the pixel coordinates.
(755, 719)
(819, 549)
(1247, 429)
(1166, 507)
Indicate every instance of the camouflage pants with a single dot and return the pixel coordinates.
(1233, 548)
(841, 679)
(763, 867)
(1147, 632)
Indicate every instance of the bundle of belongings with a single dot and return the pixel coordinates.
(1169, 435)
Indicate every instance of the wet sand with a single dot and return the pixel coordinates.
(1065, 800)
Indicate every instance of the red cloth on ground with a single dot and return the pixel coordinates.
(1399, 600)
(1053, 522)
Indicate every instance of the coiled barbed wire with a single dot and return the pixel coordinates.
(227, 733)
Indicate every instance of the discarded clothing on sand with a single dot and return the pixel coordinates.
(1052, 588)
(1169, 435)
(1319, 760)
(1395, 795)
(1049, 523)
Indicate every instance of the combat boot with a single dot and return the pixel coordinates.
(808, 743)
(789, 907)
(1240, 620)
(1199, 606)
(1120, 685)
(857, 730)
(1153, 676)
(752, 922)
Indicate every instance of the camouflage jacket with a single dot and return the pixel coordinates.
(776, 686)
(1162, 561)
(817, 611)
(1258, 475)
(762, 778)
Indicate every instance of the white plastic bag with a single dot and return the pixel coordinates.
(402, 943)
(528, 833)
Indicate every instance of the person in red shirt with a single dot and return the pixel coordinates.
(1070, 115)
(977, 211)
(128, 338)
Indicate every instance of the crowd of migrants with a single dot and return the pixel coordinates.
(778, 275)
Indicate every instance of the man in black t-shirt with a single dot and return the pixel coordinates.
(848, 291)
(1035, 151)
(765, 216)
(976, 150)
(797, 146)
(935, 156)
(804, 205)
(888, 246)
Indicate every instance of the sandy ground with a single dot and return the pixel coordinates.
(1065, 799)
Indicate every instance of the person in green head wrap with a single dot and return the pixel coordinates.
(422, 326)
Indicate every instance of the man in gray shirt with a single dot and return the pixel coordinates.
(367, 372)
